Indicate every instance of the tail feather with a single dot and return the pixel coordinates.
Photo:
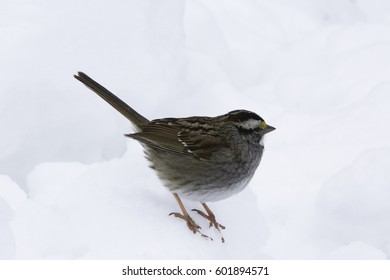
(134, 117)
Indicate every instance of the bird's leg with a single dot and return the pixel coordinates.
(211, 218)
(186, 217)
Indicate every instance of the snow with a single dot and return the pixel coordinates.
(72, 187)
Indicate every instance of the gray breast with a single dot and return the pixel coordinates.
(223, 175)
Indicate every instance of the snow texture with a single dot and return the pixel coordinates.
(72, 187)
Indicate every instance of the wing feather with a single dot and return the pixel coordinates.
(181, 138)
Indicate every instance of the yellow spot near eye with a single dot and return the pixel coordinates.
(263, 125)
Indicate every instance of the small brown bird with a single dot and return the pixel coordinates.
(200, 158)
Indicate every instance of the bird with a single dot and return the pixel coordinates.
(204, 159)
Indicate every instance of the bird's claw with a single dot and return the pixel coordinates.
(211, 219)
(194, 227)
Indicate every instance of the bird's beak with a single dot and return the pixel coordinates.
(268, 129)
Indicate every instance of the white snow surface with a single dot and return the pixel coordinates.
(73, 187)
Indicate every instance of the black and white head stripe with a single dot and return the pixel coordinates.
(245, 119)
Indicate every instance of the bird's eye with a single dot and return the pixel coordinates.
(257, 130)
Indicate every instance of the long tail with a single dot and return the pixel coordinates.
(135, 118)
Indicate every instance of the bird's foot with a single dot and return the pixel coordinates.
(211, 218)
(194, 227)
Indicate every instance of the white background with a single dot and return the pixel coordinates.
(72, 187)
(214, 269)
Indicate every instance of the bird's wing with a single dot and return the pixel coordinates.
(199, 142)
